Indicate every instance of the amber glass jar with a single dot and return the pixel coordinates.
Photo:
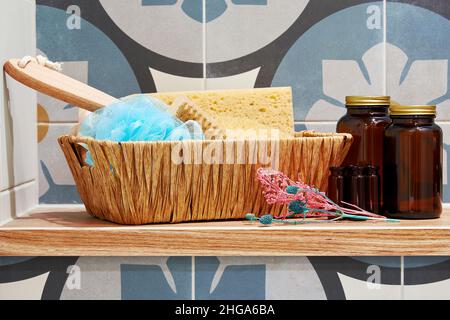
(413, 164)
(336, 185)
(372, 189)
(366, 119)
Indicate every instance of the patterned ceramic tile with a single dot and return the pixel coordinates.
(339, 55)
(169, 279)
(287, 278)
(73, 278)
(362, 278)
(147, 22)
(297, 278)
(109, 70)
(130, 278)
(236, 29)
(256, 278)
(56, 183)
(427, 278)
(418, 53)
(235, 279)
(34, 278)
(123, 41)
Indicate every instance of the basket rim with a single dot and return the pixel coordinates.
(301, 135)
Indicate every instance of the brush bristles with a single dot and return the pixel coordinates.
(187, 110)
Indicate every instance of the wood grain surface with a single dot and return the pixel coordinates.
(72, 232)
(58, 85)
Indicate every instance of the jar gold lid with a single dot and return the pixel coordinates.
(367, 101)
(398, 110)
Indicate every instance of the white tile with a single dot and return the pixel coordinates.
(18, 136)
(18, 201)
(18, 151)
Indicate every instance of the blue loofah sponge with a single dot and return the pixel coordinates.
(140, 118)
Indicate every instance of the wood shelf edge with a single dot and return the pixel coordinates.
(224, 243)
(71, 232)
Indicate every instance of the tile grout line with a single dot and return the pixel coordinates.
(193, 278)
(22, 184)
(204, 42)
(385, 46)
(204, 88)
(57, 123)
(402, 278)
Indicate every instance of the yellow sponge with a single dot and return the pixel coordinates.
(261, 108)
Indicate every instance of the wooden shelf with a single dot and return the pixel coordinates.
(72, 232)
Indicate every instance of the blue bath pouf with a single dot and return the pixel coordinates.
(139, 118)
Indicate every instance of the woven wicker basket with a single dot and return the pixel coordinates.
(139, 183)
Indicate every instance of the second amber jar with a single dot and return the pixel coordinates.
(413, 164)
(366, 119)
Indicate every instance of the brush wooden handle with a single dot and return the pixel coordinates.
(58, 85)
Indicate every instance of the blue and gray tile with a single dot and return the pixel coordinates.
(418, 53)
(359, 278)
(56, 184)
(427, 278)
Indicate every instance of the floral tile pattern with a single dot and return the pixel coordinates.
(361, 278)
(328, 64)
(418, 63)
(299, 278)
(33, 278)
(217, 280)
(169, 280)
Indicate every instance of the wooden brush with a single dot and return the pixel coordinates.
(186, 110)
